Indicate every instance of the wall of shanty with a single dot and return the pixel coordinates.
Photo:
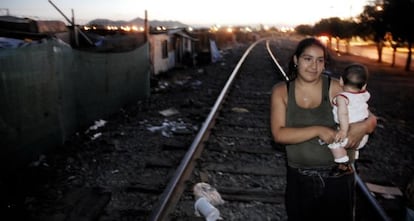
(170, 49)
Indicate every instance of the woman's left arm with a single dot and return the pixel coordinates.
(359, 129)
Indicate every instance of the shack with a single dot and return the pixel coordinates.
(171, 48)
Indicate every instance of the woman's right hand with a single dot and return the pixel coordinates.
(326, 134)
(341, 135)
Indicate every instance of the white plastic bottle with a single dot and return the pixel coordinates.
(203, 207)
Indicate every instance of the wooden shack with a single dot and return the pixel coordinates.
(171, 48)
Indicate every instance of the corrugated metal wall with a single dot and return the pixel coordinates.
(48, 91)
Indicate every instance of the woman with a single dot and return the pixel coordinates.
(302, 119)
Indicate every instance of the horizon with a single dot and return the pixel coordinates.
(194, 25)
(214, 12)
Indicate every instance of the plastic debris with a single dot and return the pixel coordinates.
(40, 161)
(203, 207)
(98, 124)
(95, 136)
(196, 84)
(209, 192)
(240, 110)
(207, 198)
(169, 128)
(169, 112)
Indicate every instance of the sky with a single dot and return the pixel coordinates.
(190, 12)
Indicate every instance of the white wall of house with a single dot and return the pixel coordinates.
(167, 50)
(159, 64)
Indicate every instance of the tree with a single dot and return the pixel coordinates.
(399, 15)
(304, 30)
(329, 27)
(336, 28)
(373, 25)
(347, 31)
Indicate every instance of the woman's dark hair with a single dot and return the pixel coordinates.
(305, 43)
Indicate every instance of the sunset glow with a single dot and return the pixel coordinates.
(229, 12)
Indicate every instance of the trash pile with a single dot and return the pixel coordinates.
(207, 198)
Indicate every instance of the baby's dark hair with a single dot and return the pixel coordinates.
(355, 75)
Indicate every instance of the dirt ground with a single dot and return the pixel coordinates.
(387, 159)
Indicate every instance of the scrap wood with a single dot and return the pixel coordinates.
(389, 190)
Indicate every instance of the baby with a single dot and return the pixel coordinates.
(349, 106)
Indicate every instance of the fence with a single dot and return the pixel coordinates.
(48, 91)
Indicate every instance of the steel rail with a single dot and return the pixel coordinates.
(374, 203)
(275, 61)
(169, 197)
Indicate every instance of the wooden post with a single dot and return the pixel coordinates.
(75, 29)
(146, 26)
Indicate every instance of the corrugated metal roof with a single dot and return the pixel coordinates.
(181, 32)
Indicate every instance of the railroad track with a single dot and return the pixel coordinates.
(233, 151)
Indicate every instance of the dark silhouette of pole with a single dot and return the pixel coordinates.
(72, 22)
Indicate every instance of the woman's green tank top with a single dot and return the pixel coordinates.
(311, 153)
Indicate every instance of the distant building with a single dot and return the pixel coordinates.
(170, 48)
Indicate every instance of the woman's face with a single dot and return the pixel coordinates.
(310, 63)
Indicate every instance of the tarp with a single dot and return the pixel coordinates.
(48, 91)
(215, 53)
